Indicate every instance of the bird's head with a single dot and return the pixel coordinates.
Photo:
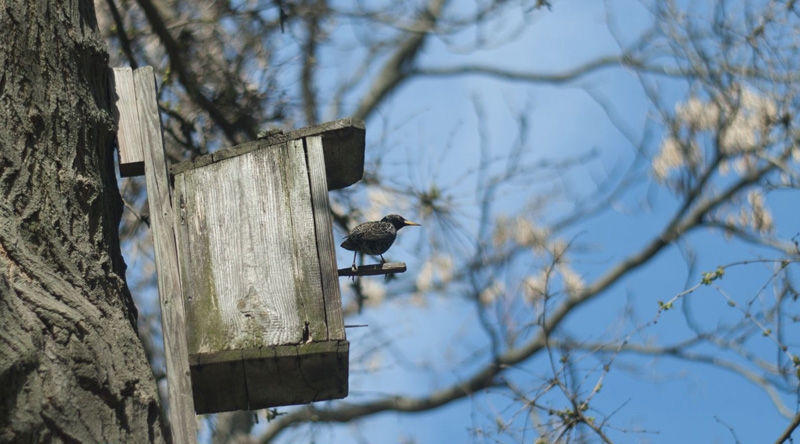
(398, 221)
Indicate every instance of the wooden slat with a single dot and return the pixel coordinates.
(322, 367)
(344, 155)
(343, 144)
(203, 317)
(323, 226)
(181, 409)
(265, 254)
(129, 140)
(301, 229)
(218, 379)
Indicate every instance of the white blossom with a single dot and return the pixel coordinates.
(502, 230)
(743, 118)
(526, 233)
(697, 114)
(374, 363)
(437, 268)
(491, 293)
(759, 218)
(573, 283)
(535, 287)
(373, 290)
(674, 155)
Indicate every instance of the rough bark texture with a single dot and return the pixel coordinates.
(72, 368)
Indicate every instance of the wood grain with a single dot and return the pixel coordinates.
(129, 138)
(301, 220)
(181, 411)
(326, 247)
(343, 143)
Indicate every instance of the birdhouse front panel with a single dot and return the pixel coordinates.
(261, 295)
(252, 257)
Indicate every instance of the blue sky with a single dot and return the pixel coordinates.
(666, 399)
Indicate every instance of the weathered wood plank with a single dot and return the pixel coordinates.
(266, 205)
(325, 128)
(129, 140)
(343, 145)
(229, 307)
(301, 228)
(215, 388)
(324, 368)
(326, 247)
(181, 411)
(204, 326)
(276, 376)
(235, 151)
(344, 156)
(191, 164)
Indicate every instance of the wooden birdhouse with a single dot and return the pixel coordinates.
(243, 242)
(258, 267)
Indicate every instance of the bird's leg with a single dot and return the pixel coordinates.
(383, 261)
(354, 268)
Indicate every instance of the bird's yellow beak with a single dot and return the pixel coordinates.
(408, 222)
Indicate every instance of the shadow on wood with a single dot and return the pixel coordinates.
(374, 270)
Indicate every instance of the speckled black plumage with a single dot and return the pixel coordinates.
(375, 238)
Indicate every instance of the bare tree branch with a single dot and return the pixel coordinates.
(400, 64)
(787, 433)
(188, 79)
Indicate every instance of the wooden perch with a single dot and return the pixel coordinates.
(372, 270)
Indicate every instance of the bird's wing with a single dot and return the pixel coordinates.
(372, 233)
(348, 244)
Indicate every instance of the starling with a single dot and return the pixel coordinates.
(374, 238)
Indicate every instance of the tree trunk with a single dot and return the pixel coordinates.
(72, 368)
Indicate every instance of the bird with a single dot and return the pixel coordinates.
(375, 238)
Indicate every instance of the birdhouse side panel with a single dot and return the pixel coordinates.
(307, 278)
(324, 232)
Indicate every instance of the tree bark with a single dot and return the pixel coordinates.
(72, 368)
